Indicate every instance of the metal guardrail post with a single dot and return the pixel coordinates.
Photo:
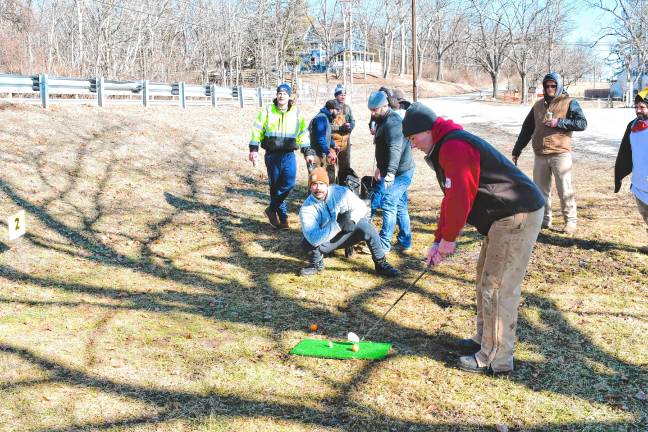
(240, 95)
(145, 92)
(260, 95)
(212, 92)
(101, 97)
(44, 90)
(181, 94)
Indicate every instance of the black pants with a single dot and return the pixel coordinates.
(364, 231)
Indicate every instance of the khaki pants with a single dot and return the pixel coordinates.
(501, 267)
(643, 209)
(559, 166)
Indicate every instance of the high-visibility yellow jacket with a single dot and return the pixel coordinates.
(278, 131)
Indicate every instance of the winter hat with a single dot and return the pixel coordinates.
(399, 95)
(376, 100)
(418, 118)
(339, 89)
(319, 174)
(642, 96)
(332, 104)
(285, 87)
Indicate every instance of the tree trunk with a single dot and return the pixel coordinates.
(525, 90)
(439, 62)
(403, 57)
(494, 81)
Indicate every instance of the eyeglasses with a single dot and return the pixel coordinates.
(550, 86)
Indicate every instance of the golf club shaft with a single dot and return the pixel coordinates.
(381, 320)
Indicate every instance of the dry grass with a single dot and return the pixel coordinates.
(151, 294)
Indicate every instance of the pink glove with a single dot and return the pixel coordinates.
(433, 257)
(447, 248)
(553, 123)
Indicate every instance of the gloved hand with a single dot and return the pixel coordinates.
(433, 257)
(515, 159)
(389, 180)
(440, 251)
(447, 248)
(553, 123)
(345, 222)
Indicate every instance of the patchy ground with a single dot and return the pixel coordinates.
(151, 294)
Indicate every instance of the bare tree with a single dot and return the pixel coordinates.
(491, 41)
(527, 32)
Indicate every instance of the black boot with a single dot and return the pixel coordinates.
(312, 269)
(385, 269)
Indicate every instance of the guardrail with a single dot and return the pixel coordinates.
(145, 92)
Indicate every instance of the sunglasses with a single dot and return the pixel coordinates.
(550, 86)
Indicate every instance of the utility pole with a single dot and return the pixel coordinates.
(414, 56)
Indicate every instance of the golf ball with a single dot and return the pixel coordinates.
(355, 348)
(330, 344)
(313, 327)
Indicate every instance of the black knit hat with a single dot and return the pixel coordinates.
(332, 104)
(418, 118)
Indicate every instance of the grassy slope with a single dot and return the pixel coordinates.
(151, 294)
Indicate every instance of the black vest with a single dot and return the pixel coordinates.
(503, 189)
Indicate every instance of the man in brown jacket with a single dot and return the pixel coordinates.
(549, 126)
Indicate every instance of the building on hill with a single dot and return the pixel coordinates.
(319, 58)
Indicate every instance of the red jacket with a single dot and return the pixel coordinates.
(460, 163)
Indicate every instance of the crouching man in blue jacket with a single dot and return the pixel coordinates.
(333, 217)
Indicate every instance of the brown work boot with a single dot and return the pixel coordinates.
(284, 225)
(272, 217)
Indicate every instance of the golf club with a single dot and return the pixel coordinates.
(352, 337)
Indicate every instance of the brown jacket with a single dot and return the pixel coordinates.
(548, 140)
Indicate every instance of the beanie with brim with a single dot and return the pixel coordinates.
(418, 118)
(376, 100)
(318, 175)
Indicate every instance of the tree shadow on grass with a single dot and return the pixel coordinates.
(241, 305)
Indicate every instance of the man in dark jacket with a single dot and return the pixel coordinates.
(549, 126)
(633, 156)
(394, 170)
(483, 188)
(321, 140)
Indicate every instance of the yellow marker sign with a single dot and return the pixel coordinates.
(16, 224)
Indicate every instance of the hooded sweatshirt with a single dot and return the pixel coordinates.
(320, 132)
(460, 162)
(480, 185)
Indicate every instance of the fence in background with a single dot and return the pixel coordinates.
(44, 89)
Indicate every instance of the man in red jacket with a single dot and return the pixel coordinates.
(482, 188)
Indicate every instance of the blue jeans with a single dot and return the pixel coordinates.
(394, 207)
(282, 171)
(376, 196)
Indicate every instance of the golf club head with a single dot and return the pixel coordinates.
(352, 337)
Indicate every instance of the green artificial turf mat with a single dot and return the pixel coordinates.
(341, 350)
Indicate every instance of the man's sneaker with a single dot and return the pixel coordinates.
(385, 269)
(312, 269)
(272, 217)
(283, 225)
(570, 228)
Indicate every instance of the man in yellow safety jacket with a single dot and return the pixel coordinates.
(280, 129)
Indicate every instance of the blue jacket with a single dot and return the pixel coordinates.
(320, 132)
